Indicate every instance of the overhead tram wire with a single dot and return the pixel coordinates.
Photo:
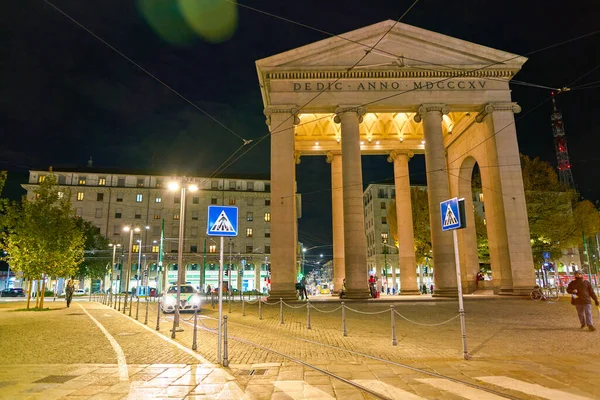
(245, 141)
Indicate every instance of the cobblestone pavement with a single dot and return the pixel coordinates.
(519, 349)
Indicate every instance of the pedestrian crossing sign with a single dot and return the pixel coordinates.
(222, 221)
(453, 214)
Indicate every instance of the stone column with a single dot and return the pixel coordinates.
(337, 213)
(437, 191)
(513, 231)
(281, 121)
(407, 262)
(355, 241)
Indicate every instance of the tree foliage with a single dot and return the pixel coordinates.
(96, 260)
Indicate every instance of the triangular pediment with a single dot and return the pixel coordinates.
(419, 48)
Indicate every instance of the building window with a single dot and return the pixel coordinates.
(267, 187)
(82, 180)
(118, 213)
(193, 249)
(249, 201)
(481, 197)
(138, 214)
(214, 184)
(249, 248)
(248, 232)
(249, 216)
(176, 200)
(102, 181)
(159, 183)
(158, 199)
(383, 205)
(176, 216)
(212, 248)
(99, 196)
(140, 182)
(232, 202)
(155, 230)
(41, 178)
(267, 233)
(121, 182)
(98, 213)
(195, 200)
(139, 198)
(79, 196)
(135, 248)
(119, 197)
(62, 180)
(116, 230)
(194, 231)
(267, 202)
(79, 211)
(384, 220)
(249, 185)
(213, 200)
(384, 237)
(267, 249)
(156, 216)
(61, 195)
(155, 248)
(195, 215)
(267, 217)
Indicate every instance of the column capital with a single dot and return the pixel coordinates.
(429, 108)
(297, 155)
(360, 110)
(282, 109)
(330, 155)
(491, 107)
(396, 153)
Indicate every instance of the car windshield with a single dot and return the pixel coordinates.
(184, 289)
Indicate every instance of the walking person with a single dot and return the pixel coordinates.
(581, 297)
(69, 290)
(303, 288)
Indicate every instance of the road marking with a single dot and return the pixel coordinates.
(387, 390)
(121, 360)
(530, 388)
(459, 389)
(299, 390)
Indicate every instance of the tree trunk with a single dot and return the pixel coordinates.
(37, 294)
(29, 283)
(43, 291)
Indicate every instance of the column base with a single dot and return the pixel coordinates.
(515, 291)
(409, 292)
(286, 295)
(445, 292)
(357, 294)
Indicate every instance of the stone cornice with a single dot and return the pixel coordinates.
(428, 108)
(395, 153)
(360, 110)
(501, 107)
(282, 109)
(387, 74)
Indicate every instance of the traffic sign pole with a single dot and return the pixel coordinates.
(220, 334)
(461, 308)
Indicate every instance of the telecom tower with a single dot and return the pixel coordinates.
(560, 144)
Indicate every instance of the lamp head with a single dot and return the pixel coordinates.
(173, 185)
(126, 229)
(193, 188)
(137, 229)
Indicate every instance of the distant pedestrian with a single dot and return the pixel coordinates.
(299, 290)
(431, 289)
(424, 289)
(208, 290)
(303, 288)
(69, 290)
(581, 297)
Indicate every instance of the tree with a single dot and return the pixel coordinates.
(95, 262)
(41, 237)
(421, 228)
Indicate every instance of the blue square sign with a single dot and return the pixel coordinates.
(546, 255)
(450, 214)
(222, 221)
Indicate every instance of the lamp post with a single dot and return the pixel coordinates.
(130, 230)
(173, 186)
(112, 270)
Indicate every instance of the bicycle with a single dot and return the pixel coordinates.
(545, 293)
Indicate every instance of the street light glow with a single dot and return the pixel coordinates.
(173, 185)
(126, 229)
(192, 188)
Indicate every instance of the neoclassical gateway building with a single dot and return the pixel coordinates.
(417, 91)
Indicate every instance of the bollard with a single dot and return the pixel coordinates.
(344, 318)
(158, 316)
(137, 308)
(118, 302)
(394, 342)
(146, 319)
(260, 308)
(243, 308)
(308, 314)
(225, 351)
(281, 310)
(212, 301)
(194, 345)
(125, 303)
(130, 304)
(229, 300)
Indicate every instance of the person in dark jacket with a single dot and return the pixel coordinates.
(581, 297)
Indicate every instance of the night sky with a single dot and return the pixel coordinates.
(66, 96)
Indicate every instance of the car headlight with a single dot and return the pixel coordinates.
(170, 301)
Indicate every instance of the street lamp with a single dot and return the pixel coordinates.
(184, 187)
(112, 270)
(130, 230)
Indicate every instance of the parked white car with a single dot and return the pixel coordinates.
(189, 299)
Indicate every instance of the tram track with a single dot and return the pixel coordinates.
(354, 353)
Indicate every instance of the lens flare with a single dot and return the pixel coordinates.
(214, 20)
(165, 19)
